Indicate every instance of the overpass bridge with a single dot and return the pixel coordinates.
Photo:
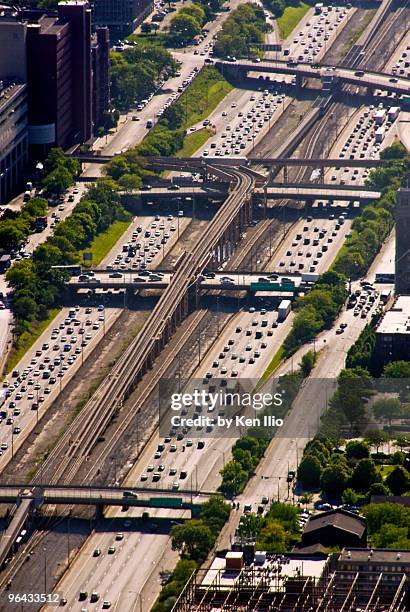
(278, 285)
(201, 163)
(300, 191)
(26, 498)
(328, 75)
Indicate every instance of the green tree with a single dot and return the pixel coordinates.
(57, 181)
(272, 538)
(309, 472)
(234, 478)
(376, 437)
(387, 408)
(250, 525)
(379, 488)
(357, 449)
(401, 442)
(391, 536)
(196, 11)
(307, 363)
(184, 28)
(334, 480)
(397, 369)
(398, 480)
(350, 497)
(130, 182)
(364, 475)
(191, 539)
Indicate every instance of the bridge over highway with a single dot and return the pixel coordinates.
(300, 191)
(279, 285)
(200, 163)
(26, 498)
(327, 74)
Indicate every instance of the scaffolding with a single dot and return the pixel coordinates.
(264, 589)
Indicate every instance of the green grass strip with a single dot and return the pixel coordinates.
(290, 18)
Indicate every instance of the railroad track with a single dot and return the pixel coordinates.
(81, 436)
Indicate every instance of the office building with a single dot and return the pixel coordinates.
(59, 76)
(393, 332)
(121, 16)
(402, 272)
(100, 50)
(66, 69)
(13, 137)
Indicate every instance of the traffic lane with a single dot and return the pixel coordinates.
(293, 255)
(27, 419)
(5, 322)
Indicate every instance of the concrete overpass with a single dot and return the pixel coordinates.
(328, 75)
(280, 285)
(200, 190)
(27, 497)
(300, 191)
(200, 163)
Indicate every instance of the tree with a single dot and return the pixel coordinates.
(376, 437)
(391, 536)
(57, 181)
(364, 475)
(387, 408)
(306, 498)
(357, 449)
(334, 480)
(379, 488)
(191, 539)
(272, 538)
(130, 182)
(250, 525)
(401, 442)
(398, 480)
(397, 369)
(25, 307)
(184, 28)
(196, 11)
(307, 363)
(233, 478)
(349, 497)
(309, 472)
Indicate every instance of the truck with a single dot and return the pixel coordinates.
(393, 113)
(309, 277)
(380, 116)
(318, 8)
(41, 223)
(26, 196)
(284, 309)
(379, 134)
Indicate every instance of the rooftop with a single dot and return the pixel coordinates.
(397, 319)
(377, 555)
(275, 568)
(342, 519)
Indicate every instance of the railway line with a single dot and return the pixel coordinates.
(77, 441)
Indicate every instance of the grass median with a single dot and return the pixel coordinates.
(27, 339)
(290, 18)
(103, 243)
(203, 95)
(192, 142)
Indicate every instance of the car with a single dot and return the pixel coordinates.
(119, 536)
(106, 604)
(111, 550)
(97, 552)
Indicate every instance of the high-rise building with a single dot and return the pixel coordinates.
(100, 50)
(402, 263)
(66, 69)
(121, 16)
(13, 137)
(59, 76)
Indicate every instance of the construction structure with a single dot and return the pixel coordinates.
(294, 583)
